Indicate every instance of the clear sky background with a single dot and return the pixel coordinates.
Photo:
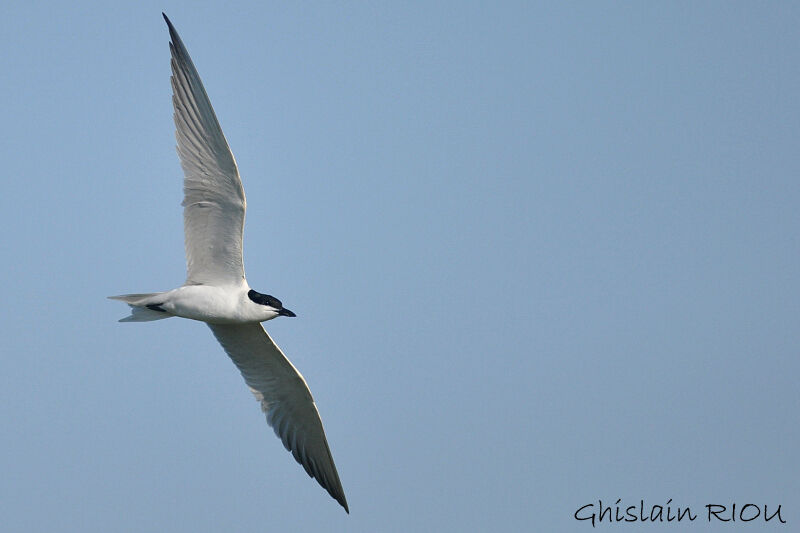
(541, 254)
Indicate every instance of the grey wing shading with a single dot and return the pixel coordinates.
(214, 202)
(285, 399)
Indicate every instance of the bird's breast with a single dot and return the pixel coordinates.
(216, 305)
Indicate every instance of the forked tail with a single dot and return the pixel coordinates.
(145, 307)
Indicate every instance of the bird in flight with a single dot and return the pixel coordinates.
(216, 291)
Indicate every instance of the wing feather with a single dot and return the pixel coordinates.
(214, 203)
(285, 399)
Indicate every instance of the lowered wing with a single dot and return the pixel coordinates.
(285, 399)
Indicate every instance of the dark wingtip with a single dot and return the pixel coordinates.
(172, 31)
(343, 502)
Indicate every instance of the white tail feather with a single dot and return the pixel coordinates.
(139, 310)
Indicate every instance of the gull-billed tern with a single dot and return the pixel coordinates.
(216, 291)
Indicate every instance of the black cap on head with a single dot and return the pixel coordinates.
(266, 299)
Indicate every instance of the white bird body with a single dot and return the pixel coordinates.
(215, 305)
(210, 303)
(216, 291)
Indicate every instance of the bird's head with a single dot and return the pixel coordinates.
(271, 306)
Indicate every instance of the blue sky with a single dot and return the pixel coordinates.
(541, 254)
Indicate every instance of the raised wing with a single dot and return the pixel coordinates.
(213, 202)
(285, 399)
